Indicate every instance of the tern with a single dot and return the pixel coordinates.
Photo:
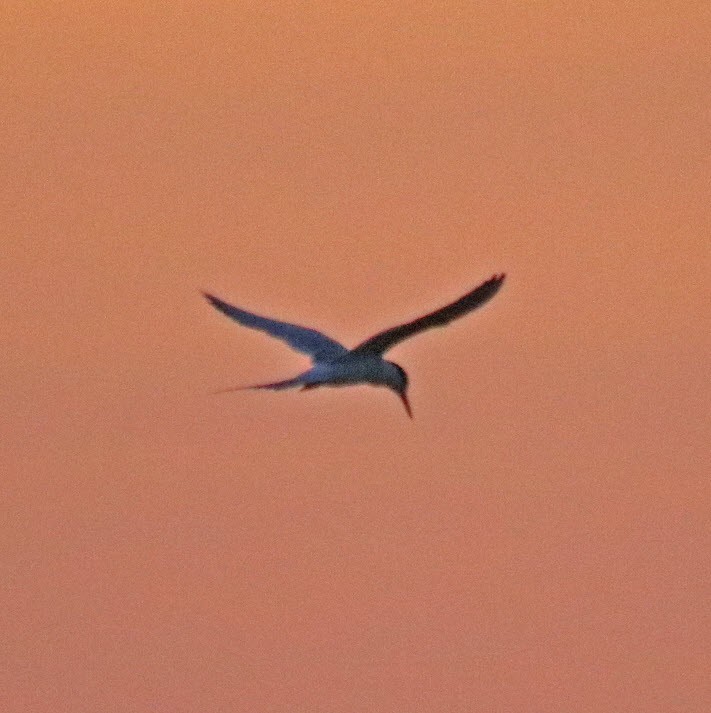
(334, 364)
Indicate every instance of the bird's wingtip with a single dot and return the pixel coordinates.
(497, 279)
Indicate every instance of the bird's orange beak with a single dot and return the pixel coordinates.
(406, 403)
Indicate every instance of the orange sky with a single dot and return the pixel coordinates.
(537, 539)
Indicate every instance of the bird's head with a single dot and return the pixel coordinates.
(399, 386)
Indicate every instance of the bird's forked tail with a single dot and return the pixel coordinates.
(275, 386)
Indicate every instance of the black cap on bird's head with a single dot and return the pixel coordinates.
(401, 388)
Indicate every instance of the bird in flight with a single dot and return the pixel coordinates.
(334, 364)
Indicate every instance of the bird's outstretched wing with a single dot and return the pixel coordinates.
(308, 341)
(381, 342)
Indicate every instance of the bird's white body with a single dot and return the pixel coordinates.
(334, 364)
(353, 369)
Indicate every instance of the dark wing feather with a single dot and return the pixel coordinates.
(380, 343)
(318, 346)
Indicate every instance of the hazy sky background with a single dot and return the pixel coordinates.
(537, 539)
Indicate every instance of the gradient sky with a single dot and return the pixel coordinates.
(537, 539)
